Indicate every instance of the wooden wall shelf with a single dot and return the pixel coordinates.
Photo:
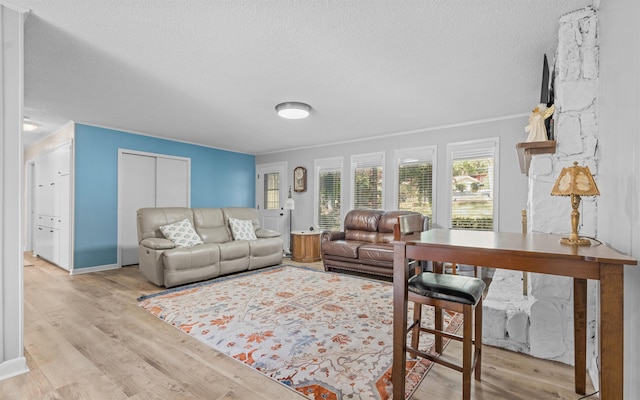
(528, 149)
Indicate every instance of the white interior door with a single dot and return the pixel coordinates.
(147, 180)
(172, 182)
(271, 193)
(137, 189)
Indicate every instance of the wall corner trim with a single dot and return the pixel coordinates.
(13, 367)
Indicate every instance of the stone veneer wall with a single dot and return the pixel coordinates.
(541, 324)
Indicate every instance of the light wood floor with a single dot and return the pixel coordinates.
(85, 338)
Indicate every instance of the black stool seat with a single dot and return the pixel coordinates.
(456, 288)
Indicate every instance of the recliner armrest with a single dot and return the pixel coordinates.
(266, 233)
(328, 236)
(157, 243)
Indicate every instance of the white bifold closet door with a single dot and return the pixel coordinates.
(147, 180)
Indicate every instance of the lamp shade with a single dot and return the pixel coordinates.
(293, 110)
(575, 180)
(289, 204)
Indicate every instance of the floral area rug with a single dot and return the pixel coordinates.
(325, 335)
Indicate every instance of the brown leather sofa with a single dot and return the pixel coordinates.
(364, 246)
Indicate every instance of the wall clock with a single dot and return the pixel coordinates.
(300, 179)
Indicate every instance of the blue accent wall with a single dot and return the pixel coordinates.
(219, 178)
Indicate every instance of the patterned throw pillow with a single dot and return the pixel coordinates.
(242, 229)
(181, 233)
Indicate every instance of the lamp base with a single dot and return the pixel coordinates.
(575, 242)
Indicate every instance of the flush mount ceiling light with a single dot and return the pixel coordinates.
(293, 110)
(28, 125)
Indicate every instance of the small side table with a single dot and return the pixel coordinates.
(305, 246)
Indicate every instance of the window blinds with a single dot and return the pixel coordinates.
(367, 178)
(328, 209)
(415, 180)
(472, 185)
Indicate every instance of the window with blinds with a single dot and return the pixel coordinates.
(472, 169)
(328, 194)
(415, 180)
(367, 173)
(271, 191)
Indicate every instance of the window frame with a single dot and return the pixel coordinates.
(489, 144)
(356, 159)
(320, 165)
(426, 154)
(267, 192)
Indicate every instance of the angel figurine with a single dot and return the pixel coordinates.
(536, 128)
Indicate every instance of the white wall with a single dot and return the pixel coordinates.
(512, 185)
(619, 146)
(12, 360)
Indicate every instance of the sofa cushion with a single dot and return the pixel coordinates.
(362, 220)
(149, 219)
(242, 229)
(265, 247)
(234, 250)
(360, 236)
(183, 258)
(376, 252)
(210, 225)
(342, 248)
(181, 233)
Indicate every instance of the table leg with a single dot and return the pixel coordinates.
(580, 334)
(611, 331)
(400, 296)
(438, 268)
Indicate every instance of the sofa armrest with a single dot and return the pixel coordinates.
(157, 243)
(328, 236)
(266, 233)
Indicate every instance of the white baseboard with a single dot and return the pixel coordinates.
(15, 367)
(98, 268)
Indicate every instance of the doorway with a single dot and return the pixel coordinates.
(271, 193)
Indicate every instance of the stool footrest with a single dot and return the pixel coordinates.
(441, 333)
(436, 358)
(445, 360)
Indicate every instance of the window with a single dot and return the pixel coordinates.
(367, 182)
(271, 191)
(328, 198)
(472, 170)
(415, 174)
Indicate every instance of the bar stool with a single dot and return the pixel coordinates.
(456, 293)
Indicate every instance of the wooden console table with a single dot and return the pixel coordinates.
(541, 253)
(305, 246)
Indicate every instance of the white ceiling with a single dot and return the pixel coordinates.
(211, 72)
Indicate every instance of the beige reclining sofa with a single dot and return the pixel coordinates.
(165, 263)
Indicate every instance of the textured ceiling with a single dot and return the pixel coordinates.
(211, 72)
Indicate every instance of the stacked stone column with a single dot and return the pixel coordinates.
(549, 303)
